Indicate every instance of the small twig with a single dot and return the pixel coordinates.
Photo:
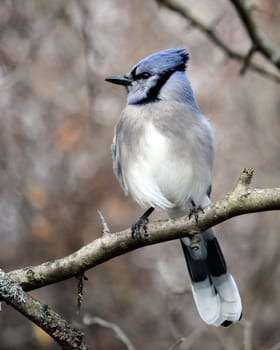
(42, 315)
(106, 229)
(176, 344)
(258, 38)
(224, 343)
(247, 334)
(118, 332)
(87, 41)
(247, 60)
(193, 336)
(80, 291)
(211, 33)
(243, 184)
(195, 240)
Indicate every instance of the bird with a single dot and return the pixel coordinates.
(163, 154)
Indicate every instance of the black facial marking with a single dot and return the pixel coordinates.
(154, 91)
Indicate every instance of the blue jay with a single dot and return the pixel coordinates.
(163, 154)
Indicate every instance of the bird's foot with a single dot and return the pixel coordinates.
(141, 225)
(194, 211)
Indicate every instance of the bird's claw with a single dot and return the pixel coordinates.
(139, 227)
(141, 224)
(194, 211)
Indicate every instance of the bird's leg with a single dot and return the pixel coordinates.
(195, 210)
(141, 223)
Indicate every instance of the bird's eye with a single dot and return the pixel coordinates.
(144, 75)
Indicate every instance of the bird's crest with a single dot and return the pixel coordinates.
(163, 61)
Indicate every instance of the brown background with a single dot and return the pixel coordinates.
(56, 123)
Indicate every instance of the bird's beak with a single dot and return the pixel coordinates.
(119, 79)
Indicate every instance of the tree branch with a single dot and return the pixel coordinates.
(244, 58)
(242, 200)
(60, 330)
(117, 331)
(259, 40)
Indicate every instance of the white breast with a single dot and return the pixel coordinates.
(157, 176)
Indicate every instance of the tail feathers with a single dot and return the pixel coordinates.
(207, 301)
(218, 306)
(229, 294)
(214, 290)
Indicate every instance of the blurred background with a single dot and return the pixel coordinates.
(57, 117)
